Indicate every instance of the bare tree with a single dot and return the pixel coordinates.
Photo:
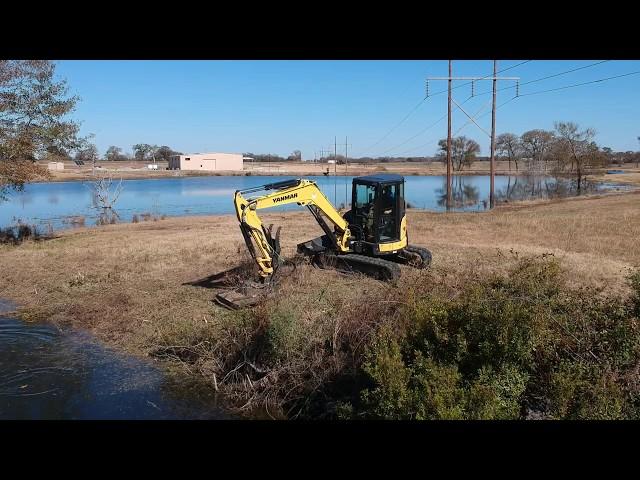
(536, 145)
(463, 151)
(577, 149)
(509, 145)
(105, 194)
(296, 156)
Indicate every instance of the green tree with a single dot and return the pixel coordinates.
(34, 121)
(87, 153)
(114, 154)
(144, 151)
(165, 153)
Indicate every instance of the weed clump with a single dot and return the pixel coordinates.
(19, 233)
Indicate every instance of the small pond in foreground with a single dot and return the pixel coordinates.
(48, 374)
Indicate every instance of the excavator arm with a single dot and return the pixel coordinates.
(263, 248)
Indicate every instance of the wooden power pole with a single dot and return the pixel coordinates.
(346, 172)
(335, 170)
(492, 199)
(450, 78)
(449, 143)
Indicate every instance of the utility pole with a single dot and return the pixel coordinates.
(335, 170)
(450, 78)
(493, 139)
(449, 142)
(346, 166)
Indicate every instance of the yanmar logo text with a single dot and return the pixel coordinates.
(285, 197)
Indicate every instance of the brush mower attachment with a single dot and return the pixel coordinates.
(251, 293)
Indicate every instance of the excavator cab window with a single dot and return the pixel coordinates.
(378, 208)
(364, 210)
(388, 224)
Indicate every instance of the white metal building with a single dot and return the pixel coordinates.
(206, 161)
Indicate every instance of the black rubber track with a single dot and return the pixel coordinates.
(423, 252)
(371, 266)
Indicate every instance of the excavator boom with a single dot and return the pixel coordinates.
(261, 245)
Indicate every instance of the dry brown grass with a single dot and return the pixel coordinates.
(125, 282)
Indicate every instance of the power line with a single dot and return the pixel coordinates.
(396, 126)
(423, 100)
(547, 77)
(422, 131)
(581, 84)
(483, 78)
(462, 127)
(536, 93)
(457, 105)
(416, 135)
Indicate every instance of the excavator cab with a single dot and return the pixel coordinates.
(377, 212)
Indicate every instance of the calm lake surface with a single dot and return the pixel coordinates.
(48, 374)
(58, 205)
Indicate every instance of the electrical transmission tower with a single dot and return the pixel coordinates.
(450, 79)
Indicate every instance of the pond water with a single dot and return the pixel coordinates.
(50, 374)
(59, 205)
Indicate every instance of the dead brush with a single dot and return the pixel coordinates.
(17, 234)
(281, 356)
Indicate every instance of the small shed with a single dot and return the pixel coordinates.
(207, 161)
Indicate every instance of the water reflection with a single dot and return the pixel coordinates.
(46, 373)
(463, 194)
(214, 195)
(529, 186)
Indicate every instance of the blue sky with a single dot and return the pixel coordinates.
(279, 106)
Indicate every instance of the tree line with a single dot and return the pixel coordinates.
(141, 152)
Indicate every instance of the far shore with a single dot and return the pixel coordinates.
(134, 170)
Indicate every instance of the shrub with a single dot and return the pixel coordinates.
(284, 336)
(19, 233)
(503, 346)
(635, 285)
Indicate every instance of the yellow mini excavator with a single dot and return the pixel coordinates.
(371, 238)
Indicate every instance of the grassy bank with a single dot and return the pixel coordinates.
(305, 350)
